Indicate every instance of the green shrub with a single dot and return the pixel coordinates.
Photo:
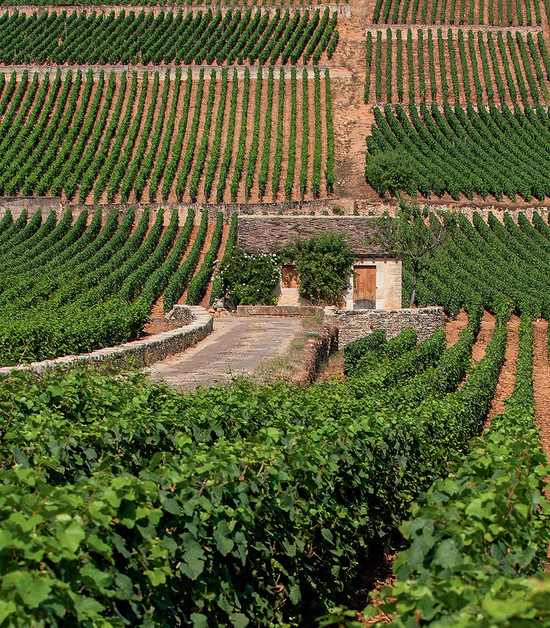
(250, 279)
(391, 171)
(324, 264)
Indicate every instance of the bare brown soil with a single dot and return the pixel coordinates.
(506, 381)
(541, 380)
(159, 324)
(454, 327)
(484, 337)
(352, 117)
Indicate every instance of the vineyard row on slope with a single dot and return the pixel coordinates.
(460, 151)
(70, 288)
(118, 138)
(181, 38)
(503, 264)
(489, 12)
(460, 67)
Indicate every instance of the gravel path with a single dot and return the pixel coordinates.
(235, 347)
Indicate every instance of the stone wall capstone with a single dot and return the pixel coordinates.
(354, 324)
(278, 310)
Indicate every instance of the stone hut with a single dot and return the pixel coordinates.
(376, 279)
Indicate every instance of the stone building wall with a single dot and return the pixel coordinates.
(359, 323)
(388, 283)
(270, 233)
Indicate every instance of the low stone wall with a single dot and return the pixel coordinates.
(136, 353)
(467, 208)
(320, 208)
(318, 350)
(277, 310)
(341, 9)
(354, 324)
(16, 204)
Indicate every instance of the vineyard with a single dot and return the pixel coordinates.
(464, 108)
(457, 66)
(126, 503)
(459, 151)
(120, 137)
(453, 12)
(308, 507)
(504, 264)
(179, 38)
(73, 286)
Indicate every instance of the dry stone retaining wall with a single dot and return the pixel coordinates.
(318, 351)
(137, 353)
(354, 324)
(140, 70)
(377, 209)
(341, 9)
(16, 204)
(321, 208)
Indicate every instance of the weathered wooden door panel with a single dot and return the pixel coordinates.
(364, 288)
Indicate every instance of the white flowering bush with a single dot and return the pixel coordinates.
(250, 279)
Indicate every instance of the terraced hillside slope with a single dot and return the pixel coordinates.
(464, 102)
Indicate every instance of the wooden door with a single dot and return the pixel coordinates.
(364, 288)
(289, 276)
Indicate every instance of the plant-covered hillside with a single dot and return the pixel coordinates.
(129, 137)
(226, 506)
(70, 288)
(505, 264)
(180, 38)
(464, 151)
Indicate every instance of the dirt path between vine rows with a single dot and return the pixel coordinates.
(507, 379)
(484, 337)
(455, 326)
(541, 380)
